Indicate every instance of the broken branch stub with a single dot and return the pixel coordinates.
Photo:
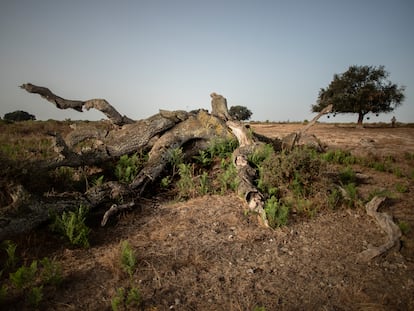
(219, 107)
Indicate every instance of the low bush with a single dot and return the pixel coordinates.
(72, 226)
(128, 258)
(128, 167)
(277, 213)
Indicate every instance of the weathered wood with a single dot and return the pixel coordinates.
(300, 137)
(386, 223)
(115, 208)
(202, 126)
(219, 107)
(245, 172)
(159, 134)
(36, 211)
(78, 105)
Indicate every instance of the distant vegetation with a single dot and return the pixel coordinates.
(19, 115)
(240, 113)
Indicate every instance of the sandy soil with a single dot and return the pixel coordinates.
(206, 254)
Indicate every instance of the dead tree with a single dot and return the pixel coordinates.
(87, 145)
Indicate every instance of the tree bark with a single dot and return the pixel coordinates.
(245, 172)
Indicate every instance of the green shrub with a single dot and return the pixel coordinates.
(51, 272)
(204, 158)
(35, 296)
(118, 300)
(126, 299)
(10, 248)
(128, 167)
(30, 280)
(222, 148)
(351, 196)
(306, 207)
(134, 298)
(296, 170)
(228, 178)
(98, 181)
(128, 258)
(339, 157)
(404, 227)
(379, 166)
(166, 182)
(380, 193)
(260, 154)
(186, 186)
(277, 214)
(347, 176)
(334, 198)
(204, 184)
(72, 226)
(24, 277)
(401, 188)
(175, 158)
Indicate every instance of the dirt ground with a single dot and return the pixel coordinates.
(206, 254)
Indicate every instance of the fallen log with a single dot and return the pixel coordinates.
(158, 135)
(88, 146)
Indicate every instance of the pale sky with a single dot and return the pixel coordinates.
(270, 56)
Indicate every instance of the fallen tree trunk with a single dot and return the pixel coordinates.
(87, 145)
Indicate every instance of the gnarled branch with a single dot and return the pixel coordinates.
(61, 103)
(386, 224)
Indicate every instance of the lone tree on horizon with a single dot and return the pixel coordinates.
(240, 113)
(361, 90)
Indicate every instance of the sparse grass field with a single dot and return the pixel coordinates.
(197, 249)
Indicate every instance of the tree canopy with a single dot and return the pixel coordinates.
(19, 115)
(240, 113)
(361, 90)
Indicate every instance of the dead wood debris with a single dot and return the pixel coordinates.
(387, 224)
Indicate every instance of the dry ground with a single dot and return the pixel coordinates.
(205, 254)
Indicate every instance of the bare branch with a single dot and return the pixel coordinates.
(386, 224)
(78, 105)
